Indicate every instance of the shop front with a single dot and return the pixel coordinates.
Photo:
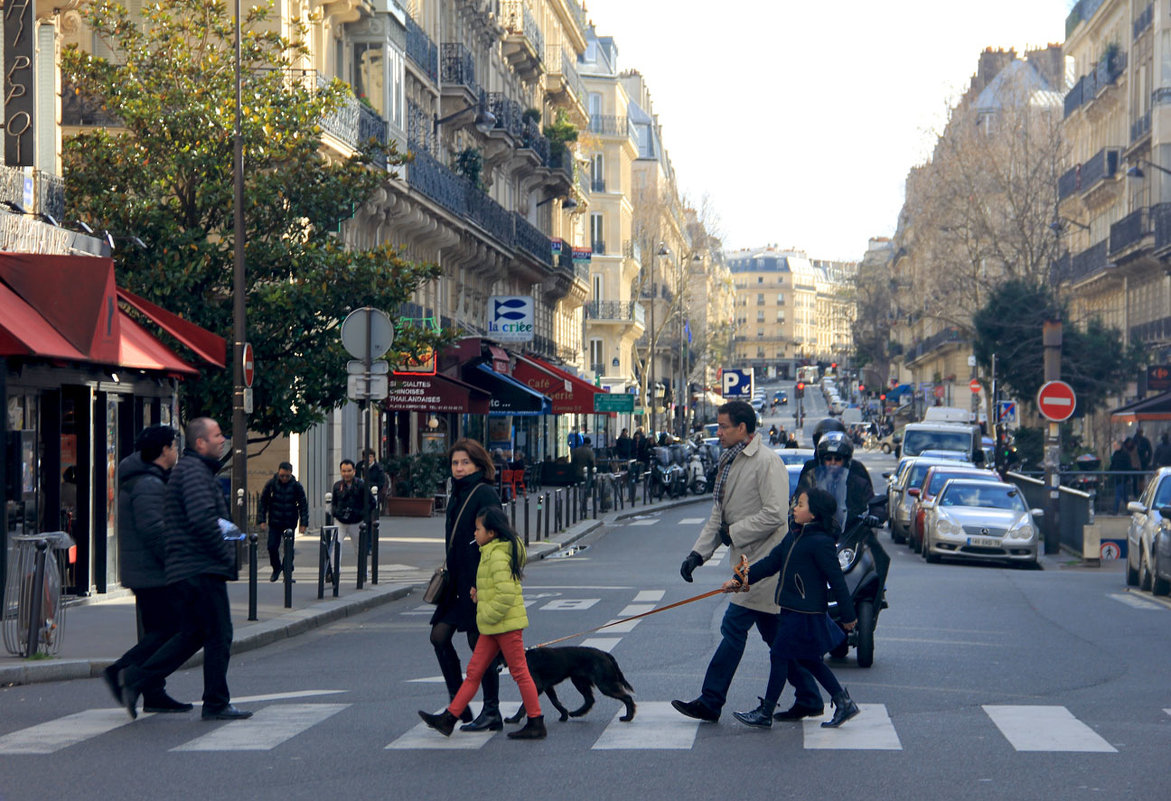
(424, 413)
(572, 402)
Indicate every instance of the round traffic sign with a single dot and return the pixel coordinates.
(974, 385)
(249, 365)
(1110, 551)
(1056, 400)
(367, 333)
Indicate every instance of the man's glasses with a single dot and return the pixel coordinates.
(832, 457)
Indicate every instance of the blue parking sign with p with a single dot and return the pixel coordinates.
(737, 383)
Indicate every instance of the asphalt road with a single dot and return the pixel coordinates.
(988, 683)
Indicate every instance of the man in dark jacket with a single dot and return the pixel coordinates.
(199, 564)
(283, 505)
(583, 461)
(348, 504)
(142, 550)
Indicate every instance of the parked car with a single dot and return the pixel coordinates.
(1148, 539)
(910, 477)
(958, 456)
(797, 456)
(837, 406)
(781, 397)
(933, 482)
(919, 437)
(892, 442)
(984, 520)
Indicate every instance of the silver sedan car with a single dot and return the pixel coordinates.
(1148, 538)
(982, 520)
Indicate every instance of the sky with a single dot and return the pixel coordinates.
(798, 120)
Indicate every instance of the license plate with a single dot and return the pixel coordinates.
(984, 542)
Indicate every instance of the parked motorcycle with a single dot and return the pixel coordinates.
(865, 564)
(696, 474)
(667, 475)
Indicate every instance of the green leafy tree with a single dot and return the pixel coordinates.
(165, 175)
(1094, 360)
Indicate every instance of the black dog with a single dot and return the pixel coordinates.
(586, 668)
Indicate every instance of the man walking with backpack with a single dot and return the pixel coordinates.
(283, 505)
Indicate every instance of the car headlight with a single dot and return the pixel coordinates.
(948, 527)
(846, 558)
(1023, 530)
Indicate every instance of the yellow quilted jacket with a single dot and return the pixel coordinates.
(500, 604)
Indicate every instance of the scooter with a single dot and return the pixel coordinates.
(696, 475)
(865, 564)
(667, 477)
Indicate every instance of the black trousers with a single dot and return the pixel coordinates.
(276, 531)
(206, 623)
(158, 621)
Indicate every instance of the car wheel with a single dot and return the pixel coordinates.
(1144, 580)
(1159, 586)
(1131, 575)
(865, 633)
(885, 447)
(914, 543)
(895, 536)
(931, 558)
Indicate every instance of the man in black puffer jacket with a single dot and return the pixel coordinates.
(199, 564)
(283, 505)
(142, 550)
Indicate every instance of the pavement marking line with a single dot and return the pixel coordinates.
(945, 642)
(656, 726)
(1168, 711)
(1132, 601)
(624, 627)
(717, 557)
(653, 522)
(872, 730)
(428, 680)
(563, 604)
(428, 540)
(605, 643)
(424, 738)
(251, 699)
(50, 737)
(1046, 728)
(649, 596)
(635, 609)
(691, 521)
(265, 730)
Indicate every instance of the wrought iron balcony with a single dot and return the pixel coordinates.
(524, 44)
(530, 239)
(1059, 269)
(355, 124)
(420, 128)
(1101, 167)
(561, 159)
(599, 246)
(421, 50)
(544, 346)
(507, 113)
(49, 188)
(598, 185)
(566, 262)
(1143, 21)
(491, 216)
(1161, 222)
(1128, 231)
(1155, 331)
(458, 67)
(1140, 127)
(617, 310)
(1075, 96)
(430, 178)
(932, 343)
(560, 65)
(1089, 262)
(531, 138)
(597, 368)
(610, 125)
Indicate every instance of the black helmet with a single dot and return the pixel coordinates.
(828, 424)
(835, 443)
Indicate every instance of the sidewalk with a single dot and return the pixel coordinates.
(99, 629)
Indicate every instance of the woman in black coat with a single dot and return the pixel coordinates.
(472, 492)
(808, 563)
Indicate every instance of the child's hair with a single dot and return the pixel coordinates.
(493, 519)
(823, 507)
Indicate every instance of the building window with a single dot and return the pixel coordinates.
(780, 298)
(760, 279)
(780, 317)
(596, 356)
(597, 233)
(598, 168)
(760, 317)
(760, 299)
(599, 286)
(369, 76)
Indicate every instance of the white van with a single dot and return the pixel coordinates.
(919, 437)
(947, 414)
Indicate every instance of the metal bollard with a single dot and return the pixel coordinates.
(374, 550)
(337, 565)
(527, 520)
(361, 555)
(322, 557)
(33, 642)
(252, 567)
(548, 514)
(512, 512)
(287, 567)
(595, 494)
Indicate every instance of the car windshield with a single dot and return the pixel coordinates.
(918, 441)
(918, 473)
(794, 457)
(794, 477)
(940, 477)
(976, 496)
(1163, 496)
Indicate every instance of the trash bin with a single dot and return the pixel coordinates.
(33, 615)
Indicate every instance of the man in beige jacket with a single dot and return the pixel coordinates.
(750, 516)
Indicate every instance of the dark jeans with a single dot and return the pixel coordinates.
(206, 623)
(158, 621)
(734, 631)
(276, 532)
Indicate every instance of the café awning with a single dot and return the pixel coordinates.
(509, 396)
(1153, 409)
(434, 393)
(570, 394)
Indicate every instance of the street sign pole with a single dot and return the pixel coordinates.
(1051, 340)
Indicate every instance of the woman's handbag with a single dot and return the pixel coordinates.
(440, 579)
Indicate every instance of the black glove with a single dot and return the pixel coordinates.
(725, 535)
(872, 521)
(692, 561)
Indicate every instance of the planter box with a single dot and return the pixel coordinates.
(409, 507)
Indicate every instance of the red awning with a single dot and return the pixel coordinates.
(434, 393)
(206, 345)
(570, 394)
(24, 332)
(138, 349)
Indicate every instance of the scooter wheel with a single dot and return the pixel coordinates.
(866, 621)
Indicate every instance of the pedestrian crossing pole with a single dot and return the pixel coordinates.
(1051, 340)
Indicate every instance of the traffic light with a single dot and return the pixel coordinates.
(861, 387)
(800, 390)
(882, 397)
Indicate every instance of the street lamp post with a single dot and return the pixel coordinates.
(662, 251)
(239, 329)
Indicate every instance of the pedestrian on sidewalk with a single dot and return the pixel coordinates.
(750, 516)
(349, 505)
(807, 562)
(283, 505)
(473, 478)
(1120, 467)
(374, 477)
(200, 563)
(501, 619)
(142, 553)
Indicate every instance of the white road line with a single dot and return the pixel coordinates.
(649, 596)
(423, 738)
(635, 609)
(655, 726)
(250, 699)
(572, 604)
(691, 521)
(427, 680)
(652, 522)
(623, 627)
(1045, 728)
(265, 730)
(717, 557)
(871, 730)
(1132, 600)
(604, 643)
(50, 737)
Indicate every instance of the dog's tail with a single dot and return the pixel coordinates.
(618, 673)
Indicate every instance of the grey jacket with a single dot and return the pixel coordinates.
(195, 504)
(142, 528)
(756, 509)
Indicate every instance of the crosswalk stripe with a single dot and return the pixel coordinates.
(871, 730)
(1045, 728)
(649, 596)
(655, 726)
(717, 557)
(691, 521)
(635, 609)
(1134, 601)
(602, 643)
(622, 628)
(50, 737)
(423, 738)
(650, 522)
(265, 730)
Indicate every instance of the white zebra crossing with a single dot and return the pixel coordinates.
(1046, 728)
(871, 730)
(51, 737)
(265, 730)
(423, 738)
(656, 726)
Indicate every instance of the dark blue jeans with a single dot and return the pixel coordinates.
(734, 632)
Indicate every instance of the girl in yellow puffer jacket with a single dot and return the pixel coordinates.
(500, 618)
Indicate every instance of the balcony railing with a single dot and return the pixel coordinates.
(518, 18)
(598, 185)
(1161, 222)
(507, 113)
(1153, 332)
(420, 128)
(1100, 76)
(1108, 70)
(621, 310)
(1059, 269)
(421, 50)
(458, 67)
(1089, 262)
(598, 246)
(1075, 96)
(492, 217)
(1128, 231)
(566, 262)
(529, 238)
(427, 176)
(610, 125)
(355, 123)
(1102, 166)
(578, 14)
(1140, 127)
(558, 62)
(531, 138)
(933, 342)
(544, 346)
(1143, 20)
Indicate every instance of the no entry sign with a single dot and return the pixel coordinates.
(1056, 400)
(249, 365)
(974, 385)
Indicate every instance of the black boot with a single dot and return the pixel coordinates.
(444, 722)
(534, 729)
(844, 709)
(761, 717)
(798, 711)
(489, 719)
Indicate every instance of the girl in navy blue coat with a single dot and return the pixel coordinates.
(808, 563)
